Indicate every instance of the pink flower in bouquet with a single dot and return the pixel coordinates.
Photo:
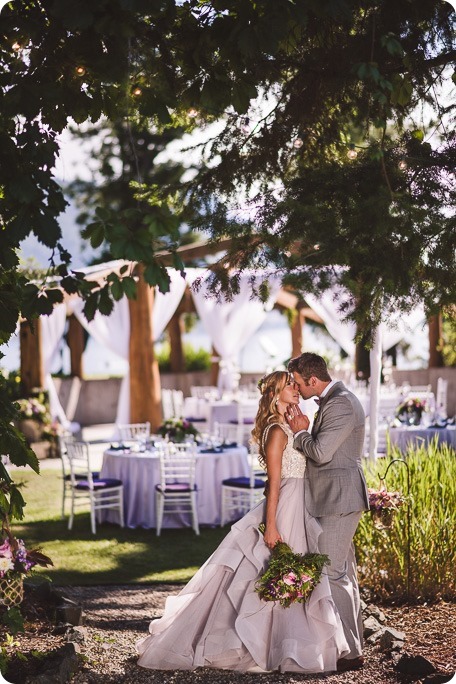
(290, 578)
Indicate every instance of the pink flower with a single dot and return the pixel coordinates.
(306, 578)
(289, 578)
(5, 550)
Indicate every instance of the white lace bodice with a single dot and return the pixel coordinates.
(293, 461)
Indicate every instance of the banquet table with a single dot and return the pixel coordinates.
(406, 436)
(140, 472)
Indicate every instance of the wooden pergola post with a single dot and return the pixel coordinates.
(75, 340)
(32, 367)
(435, 339)
(177, 360)
(297, 337)
(215, 368)
(145, 389)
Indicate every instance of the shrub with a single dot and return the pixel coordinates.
(382, 554)
(195, 359)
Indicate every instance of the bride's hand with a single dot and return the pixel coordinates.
(271, 537)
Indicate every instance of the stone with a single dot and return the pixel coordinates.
(77, 635)
(363, 605)
(415, 665)
(62, 628)
(389, 637)
(69, 612)
(373, 639)
(376, 613)
(370, 626)
(59, 667)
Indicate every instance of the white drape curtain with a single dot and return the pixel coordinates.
(52, 330)
(113, 331)
(230, 324)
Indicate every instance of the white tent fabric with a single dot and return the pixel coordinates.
(52, 329)
(230, 324)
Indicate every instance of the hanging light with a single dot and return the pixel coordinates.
(192, 113)
(80, 70)
(137, 91)
(402, 165)
(16, 46)
(352, 153)
(298, 143)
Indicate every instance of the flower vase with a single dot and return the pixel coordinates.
(383, 519)
(11, 590)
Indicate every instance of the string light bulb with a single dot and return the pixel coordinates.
(352, 153)
(298, 143)
(16, 46)
(192, 113)
(402, 165)
(137, 91)
(80, 70)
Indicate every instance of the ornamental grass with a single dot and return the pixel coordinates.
(431, 504)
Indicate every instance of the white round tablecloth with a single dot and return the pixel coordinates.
(403, 437)
(139, 473)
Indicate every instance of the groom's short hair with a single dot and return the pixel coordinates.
(310, 365)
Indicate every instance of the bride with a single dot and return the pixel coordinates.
(218, 619)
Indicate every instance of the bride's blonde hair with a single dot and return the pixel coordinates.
(270, 387)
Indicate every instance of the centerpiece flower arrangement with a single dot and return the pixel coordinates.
(16, 562)
(382, 504)
(33, 408)
(410, 411)
(177, 429)
(290, 577)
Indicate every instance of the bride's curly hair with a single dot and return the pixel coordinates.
(270, 387)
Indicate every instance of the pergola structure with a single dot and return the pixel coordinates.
(145, 388)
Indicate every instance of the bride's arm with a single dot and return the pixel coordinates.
(275, 444)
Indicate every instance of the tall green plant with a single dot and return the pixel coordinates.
(382, 554)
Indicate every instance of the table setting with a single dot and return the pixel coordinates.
(417, 423)
(137, 465)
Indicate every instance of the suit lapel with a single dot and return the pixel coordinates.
(336, 388)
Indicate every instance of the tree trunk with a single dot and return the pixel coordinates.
(145, 390)
(362, 361)
(214, 368)
(177, 360)
(32, 368)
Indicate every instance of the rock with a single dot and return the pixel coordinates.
(371, 626)
(376, 613)
(363, 605)
(69, 612)
(414, 665)
(59, 667)
(375, 636)
(62, 628)
(438, 679)
(389, 637)
(77, 635)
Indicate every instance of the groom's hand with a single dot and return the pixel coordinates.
(296, 419)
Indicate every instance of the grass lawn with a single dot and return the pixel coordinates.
(113, 555)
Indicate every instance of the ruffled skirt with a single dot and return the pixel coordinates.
(219, 621)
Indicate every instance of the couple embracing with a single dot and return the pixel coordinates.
(316, 494)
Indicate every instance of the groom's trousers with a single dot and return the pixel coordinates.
(336, 541)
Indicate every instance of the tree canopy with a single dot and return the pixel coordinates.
(297, 87)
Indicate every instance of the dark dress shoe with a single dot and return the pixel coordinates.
(345, 664)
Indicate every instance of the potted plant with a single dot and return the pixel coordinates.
(383, 505)
(15, 563)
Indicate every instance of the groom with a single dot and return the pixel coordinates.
(336, 492)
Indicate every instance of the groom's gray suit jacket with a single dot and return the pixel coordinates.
(334, 479)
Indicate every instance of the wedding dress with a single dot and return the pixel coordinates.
(219, 621)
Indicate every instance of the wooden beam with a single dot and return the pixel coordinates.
(32, 367)
(75, 341)
(435, 340)
(145, 390)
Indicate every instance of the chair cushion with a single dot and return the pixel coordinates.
(81, 476)
(243, 483)
(190, 419)
(176, 487)
(103, 483)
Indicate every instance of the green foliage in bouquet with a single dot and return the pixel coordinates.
(290, 577)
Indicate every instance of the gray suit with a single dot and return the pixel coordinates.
(336, 494)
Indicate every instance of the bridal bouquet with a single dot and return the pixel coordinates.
(382, 499)
(291, 577)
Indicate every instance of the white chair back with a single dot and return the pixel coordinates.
(204, 391)
(176, 493)
(441, 400)
(167, 404)
(134, 431)
(178, 403)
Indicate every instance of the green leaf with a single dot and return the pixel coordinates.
(95, 232)
(418, 135)
(105, 305)
(117, 290)
(91, 306)
(129, 287)
(13, 620)
(55, 295)
(17, 503)
(243, 93)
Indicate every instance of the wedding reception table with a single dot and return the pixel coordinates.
(406, 436)
(139, 473)
(216, 410)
